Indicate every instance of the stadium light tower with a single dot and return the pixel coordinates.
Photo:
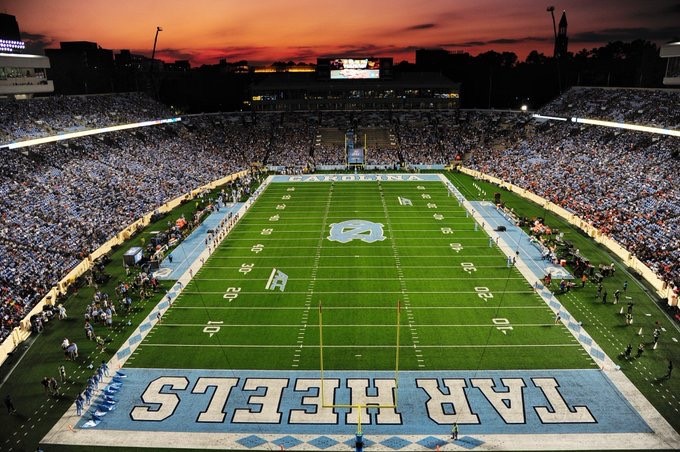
(551, 10)
(152, 82)
(159, 29)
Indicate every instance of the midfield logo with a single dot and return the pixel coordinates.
(363, 230)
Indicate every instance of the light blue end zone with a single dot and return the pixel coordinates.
(586, 391)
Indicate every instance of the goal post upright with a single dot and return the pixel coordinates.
(396, 360)
(323, 399)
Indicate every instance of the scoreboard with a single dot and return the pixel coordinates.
(354, 68)
(344, 68)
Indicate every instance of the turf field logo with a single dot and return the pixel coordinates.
(163, 272)
(558, 272)
(363, 230)
(277, 280)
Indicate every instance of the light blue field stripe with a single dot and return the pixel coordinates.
(531, 265)
(191, 247)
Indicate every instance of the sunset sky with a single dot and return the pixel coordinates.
(263, 31)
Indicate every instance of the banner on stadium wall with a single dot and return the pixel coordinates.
(355, 156)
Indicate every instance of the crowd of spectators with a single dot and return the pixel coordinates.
(623, 183)
(291, 148)
(393, 139)
(59, 201)
(647, 107)
(47, 116)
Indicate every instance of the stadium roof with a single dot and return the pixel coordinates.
(22, 60)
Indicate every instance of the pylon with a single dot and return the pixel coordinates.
(70, 428)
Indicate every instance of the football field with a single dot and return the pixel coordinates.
(343, 305)
(357, 252)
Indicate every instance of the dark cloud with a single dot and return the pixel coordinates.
(675, 8)
(303, 53)
(520, 40)
(625, 34)
(464, 44)
(36, 43)
(661, 11)
(603, 36)
(366, 49)
(208, 55)
(175, 54)
(420, 27)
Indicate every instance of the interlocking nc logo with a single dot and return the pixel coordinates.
(363, 230)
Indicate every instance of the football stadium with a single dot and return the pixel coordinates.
(341, 273)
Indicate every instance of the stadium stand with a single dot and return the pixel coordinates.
(648, 107)
(41, 117)
(623, 183)
(62, 200)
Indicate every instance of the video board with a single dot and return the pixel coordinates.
(354, 68)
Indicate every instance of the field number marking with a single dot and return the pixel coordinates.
(469, 267)
(231, 293)
(502, 325)
(483, 293)
(457, 247)
(213, 327)
(246, 268)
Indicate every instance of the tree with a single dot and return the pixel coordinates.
(537, 58)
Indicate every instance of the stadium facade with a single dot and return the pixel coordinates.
(354, 83)
(21, 75)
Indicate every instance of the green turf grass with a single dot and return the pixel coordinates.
(452, 301)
